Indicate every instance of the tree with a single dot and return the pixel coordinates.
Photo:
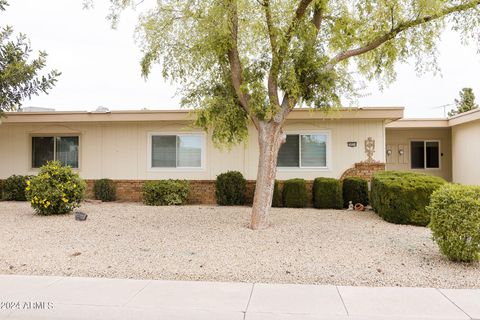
(18, 75)
(245, 61)
(466, 102)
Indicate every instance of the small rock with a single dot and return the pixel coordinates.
(76, 254)
(287, 272)
(11, 267)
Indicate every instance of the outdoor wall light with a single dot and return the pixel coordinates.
(389, 152)
(401, 152)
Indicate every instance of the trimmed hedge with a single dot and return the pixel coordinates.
(327, 193)
(165, 192)
(14, 188)
(230, 189)
(277, 195)
(294, 193)
(355, 190)
(455, 221)
(402, 197)
(104, 189)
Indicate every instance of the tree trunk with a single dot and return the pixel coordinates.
(270, 138)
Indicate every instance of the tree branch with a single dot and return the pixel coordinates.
(235, 63)
(398, 29)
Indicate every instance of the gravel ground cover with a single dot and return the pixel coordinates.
(130, 240)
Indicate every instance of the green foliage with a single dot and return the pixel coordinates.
(327, 193)
(401, 197)
(295, 193)
(355, 190)
(466, 102)
(18, 74)
(230, 188)
(104, 189)
(165, 192)
(14, 188)
(455, 222)
(301, 49)
(277, 195)
(55, 190)
(1, 189)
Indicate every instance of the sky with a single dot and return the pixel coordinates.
(101, 66)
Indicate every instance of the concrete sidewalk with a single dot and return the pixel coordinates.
(32, 297)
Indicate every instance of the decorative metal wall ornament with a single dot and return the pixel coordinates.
(370, 149)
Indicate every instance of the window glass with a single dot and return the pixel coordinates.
(288, 155)
(164, 151)
(314, 150)
(189, 151)
(42, 151)
(432, 151)
(417, 149)
(67, 151)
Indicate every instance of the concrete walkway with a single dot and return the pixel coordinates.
(94, 298)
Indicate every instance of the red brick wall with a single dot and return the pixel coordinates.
(364, 170)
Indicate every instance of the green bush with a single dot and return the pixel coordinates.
(1, 189)
(401, 197)
(165, 192)
(14, 188)
(230, 188)
(104, 189)
(55, 190)
(277, 195)
(294, 193)
(355, 190)
(327, 193)
(455, 221)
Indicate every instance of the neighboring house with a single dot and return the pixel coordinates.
(133, 146)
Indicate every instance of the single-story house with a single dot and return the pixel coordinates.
(133, 146)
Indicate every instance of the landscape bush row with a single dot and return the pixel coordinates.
(451, 211)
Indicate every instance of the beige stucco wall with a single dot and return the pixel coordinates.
(119, 150)
(466, 153)
(397, 139)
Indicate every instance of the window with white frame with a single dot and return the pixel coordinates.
(60, 148)
(304, 151)
(176, 151)
(425, 154)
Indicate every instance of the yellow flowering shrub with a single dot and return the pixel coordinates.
(55, 190)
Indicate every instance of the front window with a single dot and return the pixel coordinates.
(304, 151)
(176, 151)
(60, 148)
(425, 154)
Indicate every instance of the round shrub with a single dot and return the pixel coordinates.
(165, 192)
(455, 221)
(355, 190)
(295, 193)
(104, 189)
(277, 195)
(327, 193)
(55, 190)
(14, 188)
(230, 188)
(402, 197)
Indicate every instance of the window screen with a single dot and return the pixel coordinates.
(417, 154)
(42, 151)
(67, 151)
(305, 151)
(177, 151)
(189, 151)
(289, 151)
(164, 151)
(432, 151)
(314, 150)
